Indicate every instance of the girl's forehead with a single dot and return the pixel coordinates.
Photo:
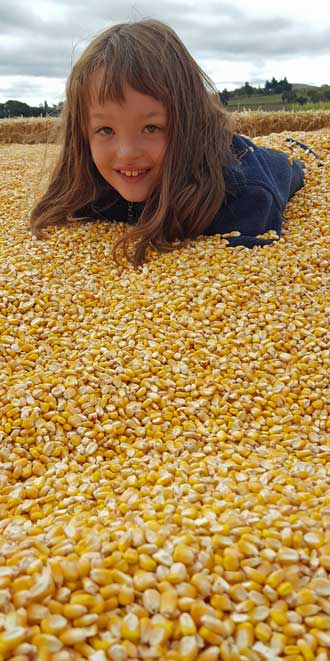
(94, 88)
(130, 95)
(94, 84)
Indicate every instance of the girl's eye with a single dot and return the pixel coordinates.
(108, 128)
(153, 127)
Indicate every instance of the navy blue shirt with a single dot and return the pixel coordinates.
(256, 194)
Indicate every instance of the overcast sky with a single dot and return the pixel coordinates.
(234, 41)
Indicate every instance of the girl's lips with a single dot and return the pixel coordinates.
(132, 180)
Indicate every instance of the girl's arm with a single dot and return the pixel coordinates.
(257, 193)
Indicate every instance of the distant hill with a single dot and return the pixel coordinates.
(303, 86)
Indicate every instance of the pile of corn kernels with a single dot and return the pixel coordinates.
(165, 437)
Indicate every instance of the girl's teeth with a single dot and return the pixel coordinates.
(135, 173)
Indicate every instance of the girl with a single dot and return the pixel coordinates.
(147, 142)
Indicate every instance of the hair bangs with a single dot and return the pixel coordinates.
(122, 62)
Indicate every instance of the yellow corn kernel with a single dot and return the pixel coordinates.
(151, 600)
(130, 629)
(45, 640)
(307, 610)
(221, 602)
(22, 583)
(279, 616)
(285, 588)
(325, 561)
(291, 650)
(183, 553)
(131, 556)
(11, 639)
(210, 636)
(247, 548)
(160, 632)
(319, 622)
(168, 603)
(86, 620)
(130, 648)
(293, 629)
(144, 580)
(101, 576)
(305, 596)
(101, 644)
(70, 570)
(210, 654)
(44, 654)
(305, 650)
(278, 642)
(188, 648)
(231, 559)
(147, 563)
(84, 566)
(72, 611)
(255, 575)
(185, 589)
(111, 590)
(84, 649)
(198, 609)
(263, 631)
(185, 604)
(94, 602)
(36, 613)
(274, 579)
(125, 596)
(213, 624)
(56, 607)
(187, 625)
(158, 423)
(244, 636)
(53, 624)
(75, 635)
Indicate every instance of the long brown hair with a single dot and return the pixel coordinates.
(149, 56)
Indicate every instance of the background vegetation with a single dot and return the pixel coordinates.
(281, 93)
(273, 96)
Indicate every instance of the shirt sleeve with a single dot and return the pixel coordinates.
(252, 212)
(255, 205)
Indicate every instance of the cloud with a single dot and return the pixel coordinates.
(42, 40)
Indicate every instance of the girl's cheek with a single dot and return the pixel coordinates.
(101, 155)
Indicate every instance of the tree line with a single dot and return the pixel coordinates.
(14, 108)
(282, 87)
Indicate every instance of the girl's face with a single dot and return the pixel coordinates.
(129, 137)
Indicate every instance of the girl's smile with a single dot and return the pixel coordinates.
(128, 149)
(133, 178)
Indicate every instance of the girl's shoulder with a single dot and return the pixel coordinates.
(241, 144)
(257, 165)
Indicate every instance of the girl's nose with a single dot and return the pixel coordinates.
(128, 152)
(128, 146)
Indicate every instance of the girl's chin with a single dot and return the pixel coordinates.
(132, 197)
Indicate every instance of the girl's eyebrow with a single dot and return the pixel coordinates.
(149, 114)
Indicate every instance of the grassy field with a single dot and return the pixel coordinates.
(254, 102)
(164, 435)
(324, 105)
(263, 99)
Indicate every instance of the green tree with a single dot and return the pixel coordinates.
(224, 96)
(248, 89)
(14, 108)
(289, 97)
